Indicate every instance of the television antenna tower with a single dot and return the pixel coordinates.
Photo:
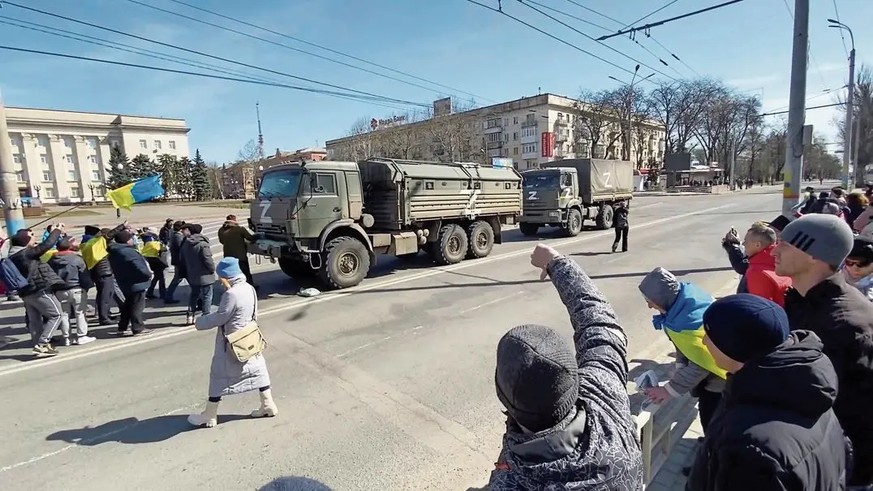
(260, 133)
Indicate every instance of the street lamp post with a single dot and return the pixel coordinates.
(37, 188)
(91, 187)
(631, 104)
(118, 210)
(847, 131)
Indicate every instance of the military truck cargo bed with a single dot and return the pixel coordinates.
(600, 179)
(398, 193)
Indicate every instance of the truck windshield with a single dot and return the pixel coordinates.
(280, 184)
(549, 180)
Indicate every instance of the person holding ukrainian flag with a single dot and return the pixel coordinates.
(680, 308)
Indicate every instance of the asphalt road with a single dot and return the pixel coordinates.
(386, 386)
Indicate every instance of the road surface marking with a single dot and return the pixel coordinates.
(371, 343)
(172, 332)
(491, 302)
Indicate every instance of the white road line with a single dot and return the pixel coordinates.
(164, 334)
(492, 302)
(86, 441)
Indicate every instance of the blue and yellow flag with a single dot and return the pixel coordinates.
(145, 189)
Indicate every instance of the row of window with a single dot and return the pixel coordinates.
(157, 144)
(48, 176)
(18, 158)
(49, 192)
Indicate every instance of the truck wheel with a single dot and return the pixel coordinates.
(451, 245)
(528, 228)
(346, 263)
(480, 238)
(295, 268)
(574, 223)
(604, 217)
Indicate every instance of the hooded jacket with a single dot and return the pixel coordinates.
(40, 277)
(134, 273)
(196, 255)
(70, 267)
(762, 280)
(843, 318)
(595, 447)
(786, 439)
(234, 239)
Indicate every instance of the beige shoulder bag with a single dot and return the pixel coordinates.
(247, 342)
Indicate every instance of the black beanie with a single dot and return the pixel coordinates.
(123, 237)
(91, 230)
(536, 376)
(745, 326)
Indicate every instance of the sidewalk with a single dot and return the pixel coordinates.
(670, 477)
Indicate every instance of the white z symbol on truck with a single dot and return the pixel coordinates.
(265, 207)
(532, 196)
(606, 183)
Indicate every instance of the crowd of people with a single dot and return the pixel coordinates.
(782, 370)
(54, 274)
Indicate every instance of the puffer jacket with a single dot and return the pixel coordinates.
(761, 278)
(197, 257)
(787, 439)
(595, 447)
(40, 277)
(70, 267)
(843, 318)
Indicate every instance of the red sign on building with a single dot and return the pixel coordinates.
(547, 142)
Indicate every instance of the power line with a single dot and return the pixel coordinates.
(824, 93)
(593, 39)
(649, 14)
(631, 38)
(556, 38)
(842, 36)
(200, 53)
(671, 19)
(330, 50)
(196, 74)
(808, 109)
(269, 41)
(154, 54)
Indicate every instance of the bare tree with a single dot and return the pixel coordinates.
(862, 124)
(595, 123)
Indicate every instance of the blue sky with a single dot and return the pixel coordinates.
(452, 42)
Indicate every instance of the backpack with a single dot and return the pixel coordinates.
(11, 276)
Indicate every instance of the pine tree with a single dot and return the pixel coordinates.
(142, 166)
(115, 176)
(171, 171)
(200, 178)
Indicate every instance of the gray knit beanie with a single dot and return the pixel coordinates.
(536, 376)
(827, 238)
(661, 287)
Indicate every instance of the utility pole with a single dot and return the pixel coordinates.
(796, 110)
(11, 201)
(847, 132)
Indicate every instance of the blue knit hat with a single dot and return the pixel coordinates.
(228, 268)
(745, 326)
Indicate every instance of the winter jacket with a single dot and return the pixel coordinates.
(197, 257)
(165, 234)
(70, 267)
(786, 439)
(176, 241)
(843, 318)
(620, 217)
(852, 212)
(595, 447)
(134, 274)
(96, 254)
(739, 262)
(40, 277)
(864, 285)
(234, 238)
(762, 280)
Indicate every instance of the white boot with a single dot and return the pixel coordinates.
(208, 418)
(268, 407)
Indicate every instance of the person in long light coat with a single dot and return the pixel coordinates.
(227, 375)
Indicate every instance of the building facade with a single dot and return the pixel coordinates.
(530, 131)
(61, 156)
(241, 179)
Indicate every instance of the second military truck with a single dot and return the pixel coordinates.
(332, 218)
(565, 193)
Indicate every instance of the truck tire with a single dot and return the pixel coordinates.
(604, 217)
(346, 263)
(574, 223)
(480, 237)
(451, 245)
(295, 268)
(528, 229)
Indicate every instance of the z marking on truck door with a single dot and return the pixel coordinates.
(265, 207)
(606, 183)
(532, 196)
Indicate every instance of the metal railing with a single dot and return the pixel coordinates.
(657, 430)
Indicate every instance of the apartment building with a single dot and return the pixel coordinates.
(530, 131)
(61, 156)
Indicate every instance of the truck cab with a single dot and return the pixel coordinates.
(551, 197)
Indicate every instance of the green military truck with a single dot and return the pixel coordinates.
(332, 218)
(565, 193)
